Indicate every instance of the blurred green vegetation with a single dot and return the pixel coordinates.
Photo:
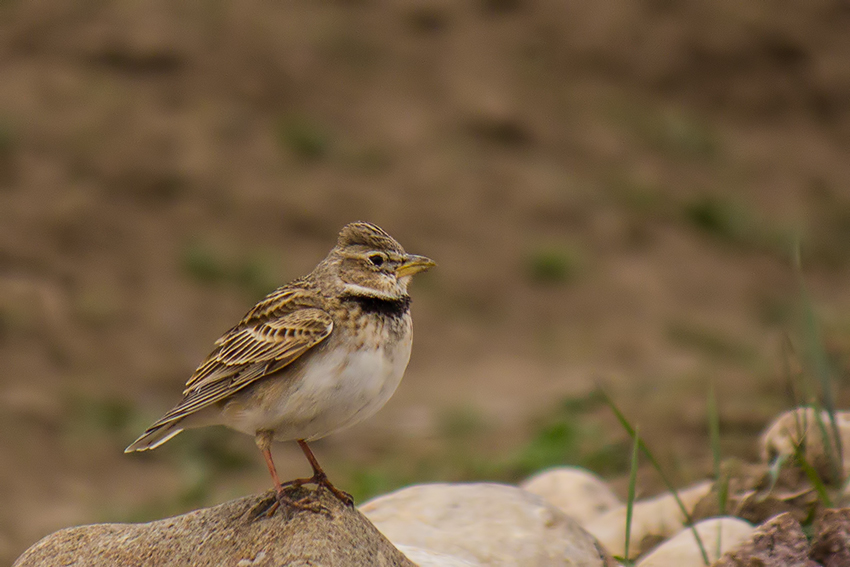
(111, 416)
(734, 223)
(721, 217)
(553, 264)
(304, 137)
(8, 137)
(669, 131)
(256, 273)
(567, 434)
(96, 306)
(714, 344)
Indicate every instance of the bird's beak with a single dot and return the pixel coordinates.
(414, 264)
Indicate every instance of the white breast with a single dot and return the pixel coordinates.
(338, 388)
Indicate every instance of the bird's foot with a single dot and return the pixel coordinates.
(321, 480)
(283, 501)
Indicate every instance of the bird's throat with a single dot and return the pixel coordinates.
(381, 306)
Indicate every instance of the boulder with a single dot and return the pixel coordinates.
(779, 542)
(654, 518)
(577, 492)
(805, 428)
(229, 534)
(429, 558)
(683, 550)
(831, 544)
(485, 524)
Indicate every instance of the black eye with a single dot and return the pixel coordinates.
(376, 259)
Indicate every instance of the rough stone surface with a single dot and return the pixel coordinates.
(831, 544)
(577, 492)
(228, 534)
(658, 517)
(802, 427)
(779, 542)
(684, 551)
(491, 524)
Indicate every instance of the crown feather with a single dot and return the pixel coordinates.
(369, 235)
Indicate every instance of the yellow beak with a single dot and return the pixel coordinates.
(414, 264)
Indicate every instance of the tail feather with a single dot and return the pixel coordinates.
(154, 437)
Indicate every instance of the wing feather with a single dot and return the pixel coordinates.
(253, 349)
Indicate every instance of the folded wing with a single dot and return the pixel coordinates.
(252, 350)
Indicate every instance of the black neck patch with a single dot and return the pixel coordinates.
(387, 307)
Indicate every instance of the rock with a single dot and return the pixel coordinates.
(756, 493)
(227, 534)
(576, 491)
(658, 517)
(831, 544)
(683, 551)
(483, 523)
(801, 427)
(780, 542)
(428, 558)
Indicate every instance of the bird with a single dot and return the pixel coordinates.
(313, 357)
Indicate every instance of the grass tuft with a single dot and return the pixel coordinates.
(670, 488)
(813, 476)
(564, 437)
(820, 366)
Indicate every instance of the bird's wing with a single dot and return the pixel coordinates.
(257, 347)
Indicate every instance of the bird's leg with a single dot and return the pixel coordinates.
(264, 441)
(320, 478)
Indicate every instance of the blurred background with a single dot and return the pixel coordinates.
(612, 191)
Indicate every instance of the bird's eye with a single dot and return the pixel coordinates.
(376, 259)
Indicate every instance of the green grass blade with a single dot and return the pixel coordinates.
(822, 369)
(645, 450)
(714, 427)
(630, 502)
(773, 474)
(816, 481)
(720, 484)
(823, 373)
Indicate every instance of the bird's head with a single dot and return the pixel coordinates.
(371, 263)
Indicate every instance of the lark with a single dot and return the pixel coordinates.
(313, 357)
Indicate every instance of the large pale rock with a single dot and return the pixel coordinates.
(779, 542)
(577, 492)
(228, 534)
(683, 550)
(658, 517)
(802, 427)
(483, 523)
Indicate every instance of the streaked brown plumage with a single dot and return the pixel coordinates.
(315, 356)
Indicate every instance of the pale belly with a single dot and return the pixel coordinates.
(335, 390)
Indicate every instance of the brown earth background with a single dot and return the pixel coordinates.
(613, 191)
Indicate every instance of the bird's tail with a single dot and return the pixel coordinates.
(155, 436)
